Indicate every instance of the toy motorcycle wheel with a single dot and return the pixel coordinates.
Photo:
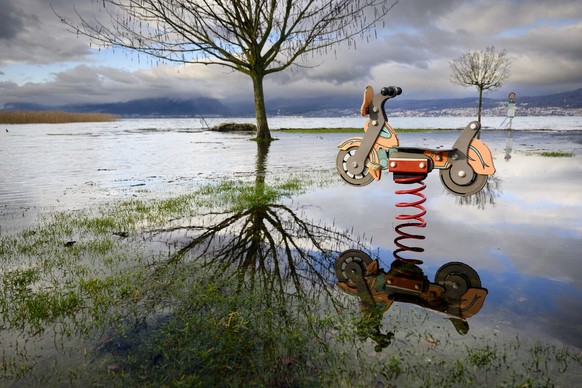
(457, 278)
(350, 263)
(473, 187)
(343, 162)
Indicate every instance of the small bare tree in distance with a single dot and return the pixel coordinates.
(254, 37)
(486, 70)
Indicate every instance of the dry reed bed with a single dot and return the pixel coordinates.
(52, 117)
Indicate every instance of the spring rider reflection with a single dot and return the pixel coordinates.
(464, 170)
(456, 290)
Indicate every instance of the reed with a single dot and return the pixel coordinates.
(52, 117)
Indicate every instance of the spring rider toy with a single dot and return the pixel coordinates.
(464, 170)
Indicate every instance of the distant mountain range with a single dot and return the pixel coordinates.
(567, 103)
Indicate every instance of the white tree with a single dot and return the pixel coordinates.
(486, 70)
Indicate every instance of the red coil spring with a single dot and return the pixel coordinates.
(419, 222)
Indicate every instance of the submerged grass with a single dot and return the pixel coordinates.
(52, 117)
(122, 312)
(218, 336)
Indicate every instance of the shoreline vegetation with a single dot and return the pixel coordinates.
(52, 117)
(246, 127)
(351, 130)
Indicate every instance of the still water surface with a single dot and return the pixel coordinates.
(524, 239)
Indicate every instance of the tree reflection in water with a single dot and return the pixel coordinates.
(273, 270)
(486, 196)
(267, 243)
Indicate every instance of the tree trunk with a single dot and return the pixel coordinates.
(263, 132)
(480, 105)
(479, 109)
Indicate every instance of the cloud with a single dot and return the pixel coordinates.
(420, 13)
(99, 84)
(481, 17)
(550, 42)
(413, 50)
(31, 33)
(11, 20)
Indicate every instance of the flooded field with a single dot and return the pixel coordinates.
(149, 252)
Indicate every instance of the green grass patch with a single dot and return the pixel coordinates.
(221, 335)
(556, 154)
(237, 195)
(352, 130)
(319, 130)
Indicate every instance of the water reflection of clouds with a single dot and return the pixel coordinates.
(534, 191)
(548, 307)
(543, 181)
(526, 247)
(530, 215)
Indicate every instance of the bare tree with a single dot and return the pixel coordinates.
(486, 70)
(254, 37)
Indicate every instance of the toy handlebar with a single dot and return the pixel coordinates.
(391, 91)
(386, 93)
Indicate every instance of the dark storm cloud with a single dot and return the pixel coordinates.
(95, 84)
(10, 20)
(31, 33)
(420, 13)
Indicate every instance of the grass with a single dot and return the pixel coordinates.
(235, 343)
(319, 130)
(51, 117)
(237, 195)
(350, 130)
(556, 154)
(93, 298)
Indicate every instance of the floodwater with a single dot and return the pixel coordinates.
(523, 235)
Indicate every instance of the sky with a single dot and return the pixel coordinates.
(42, 62)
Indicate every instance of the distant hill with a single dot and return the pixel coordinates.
(332, 106)
(154, 107)
(567, 100)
